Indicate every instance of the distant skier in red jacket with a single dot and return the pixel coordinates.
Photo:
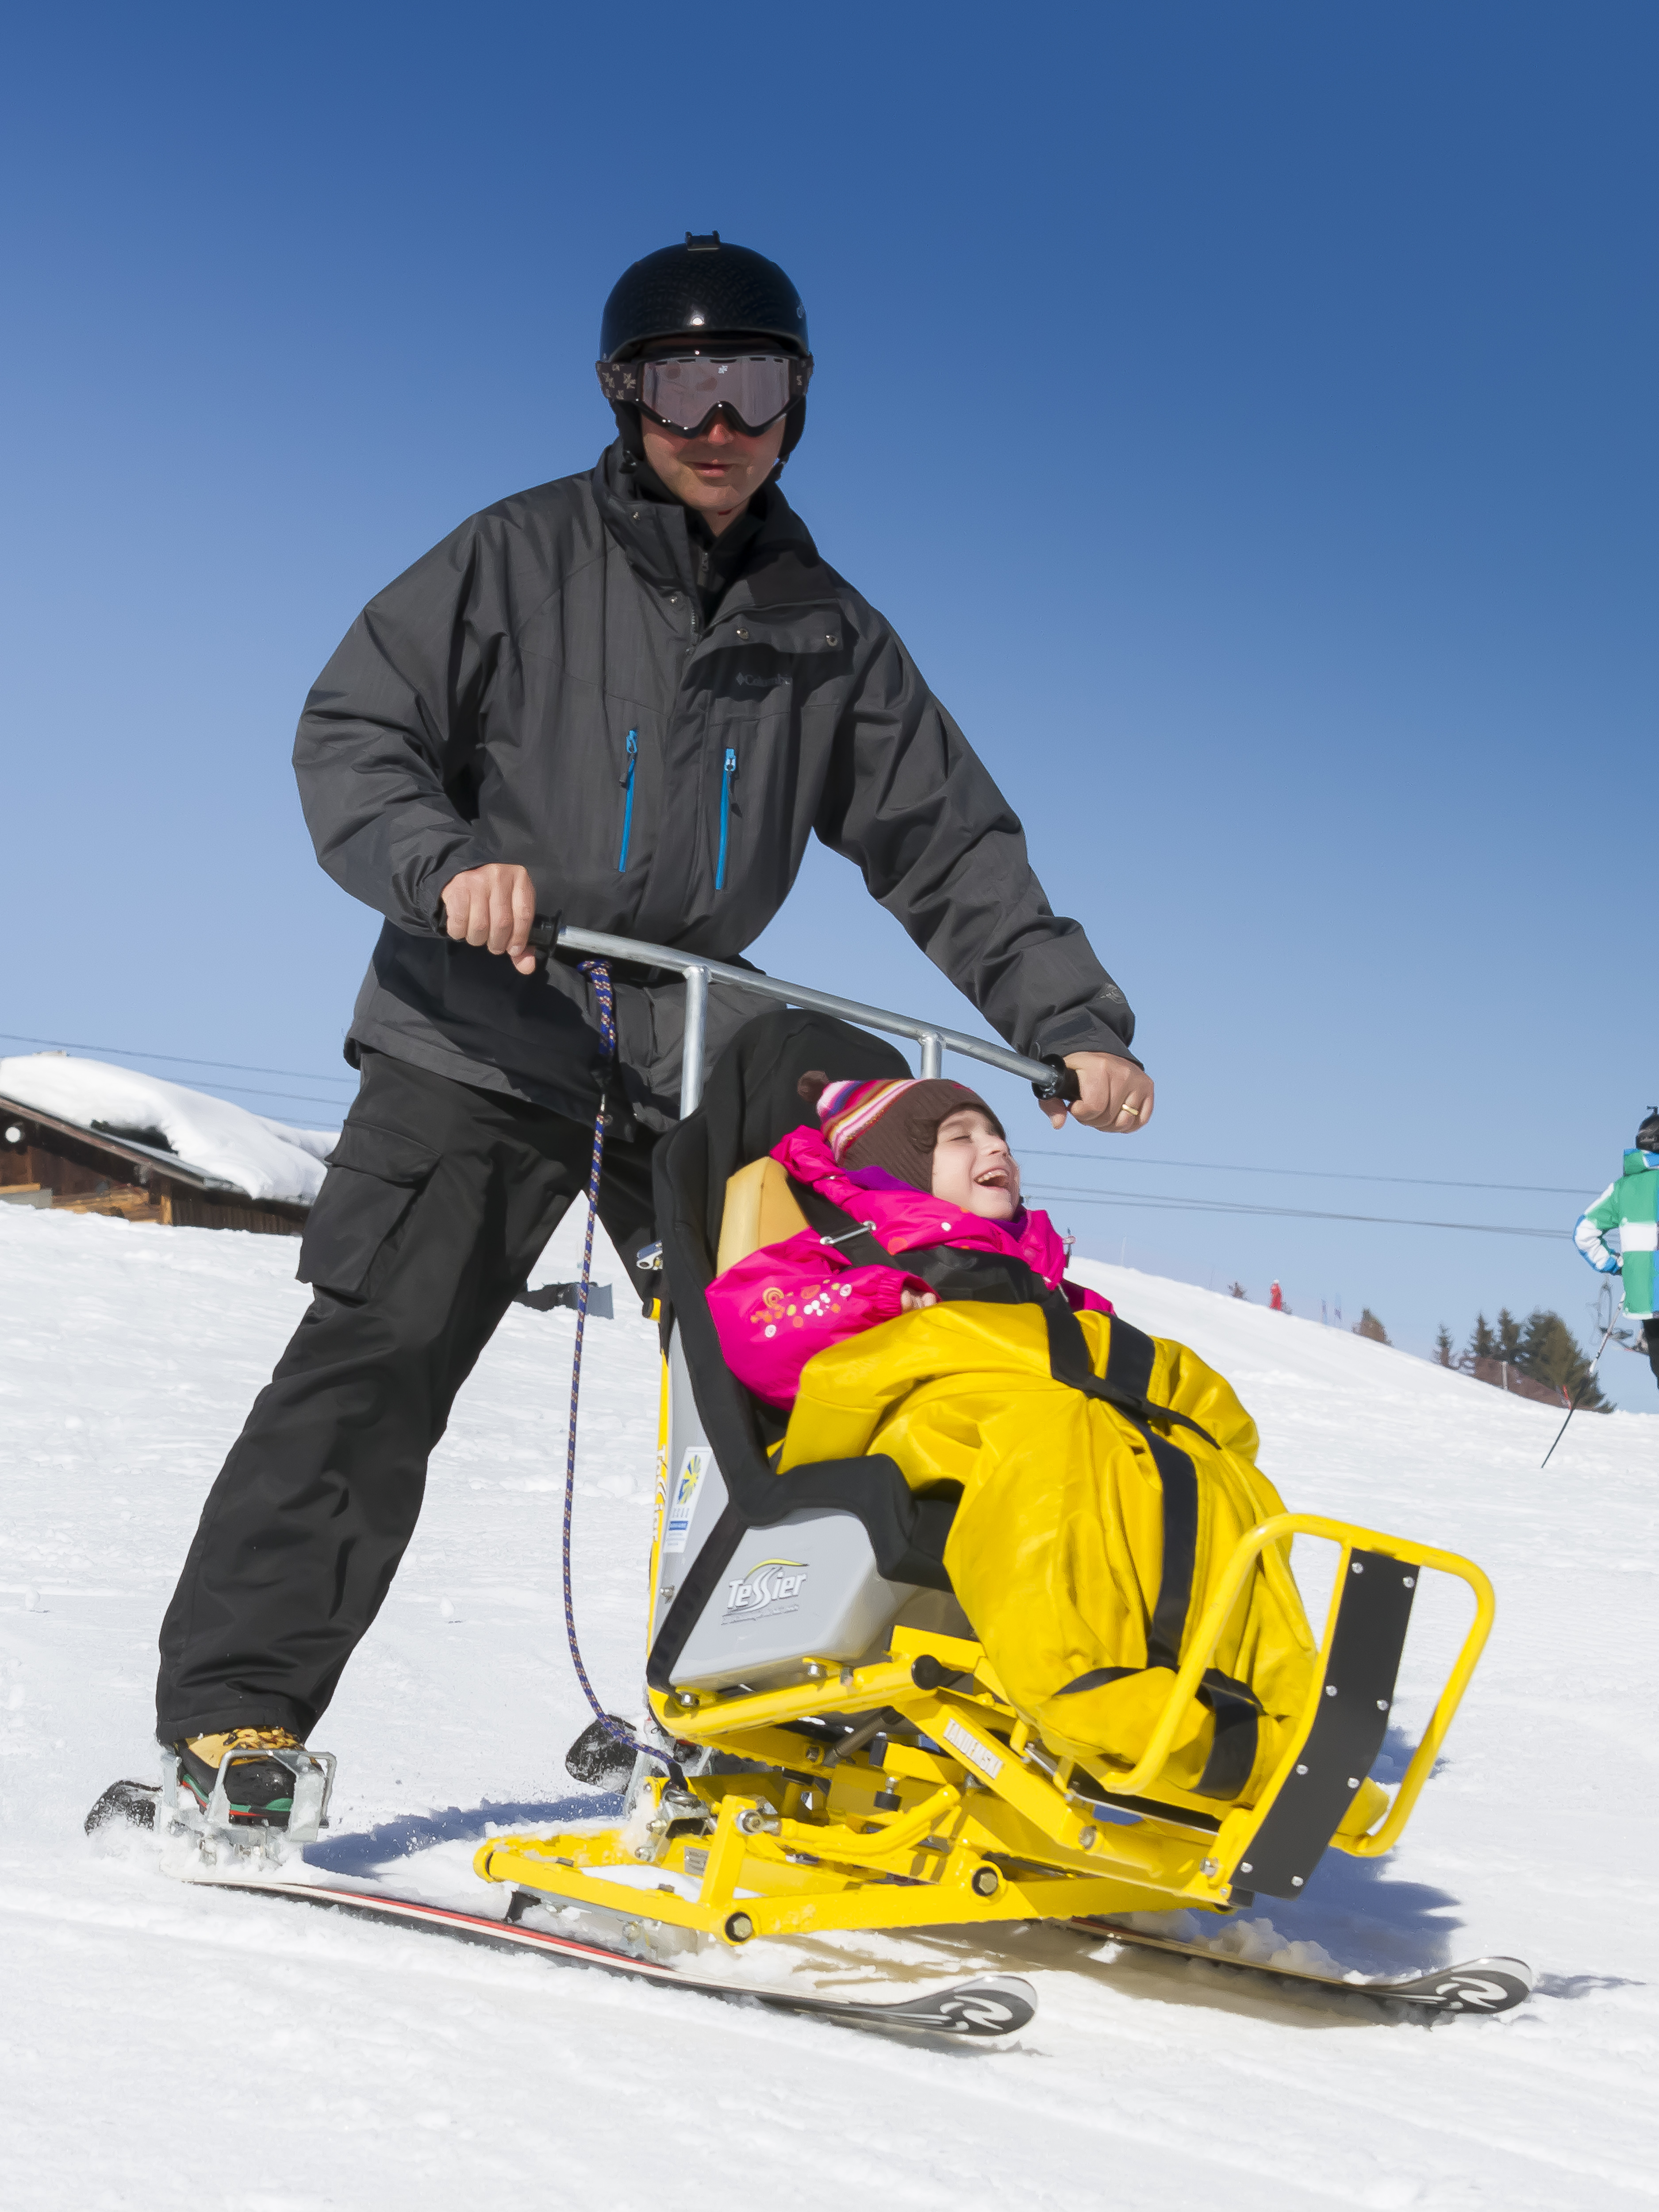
(1276, 1299)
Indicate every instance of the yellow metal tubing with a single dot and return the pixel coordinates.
(839, 1841)
(1136, 1779)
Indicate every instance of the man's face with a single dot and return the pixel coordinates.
(717, 471)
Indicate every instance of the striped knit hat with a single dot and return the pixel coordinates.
(889, 1124)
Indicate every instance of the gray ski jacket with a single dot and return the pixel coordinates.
(541, 688)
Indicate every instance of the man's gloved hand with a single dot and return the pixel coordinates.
(495, 905)
(1117, 1096)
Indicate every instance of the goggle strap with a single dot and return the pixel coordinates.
(619, 381)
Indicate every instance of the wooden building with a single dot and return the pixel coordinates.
(46, 1161)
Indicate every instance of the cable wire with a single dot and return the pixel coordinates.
(179, 1059)
(1323, 1174)
(601, 977)
(1161, 1203)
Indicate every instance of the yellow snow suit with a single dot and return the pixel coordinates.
(1086, 1541)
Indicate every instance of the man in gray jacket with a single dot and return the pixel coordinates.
(627, 699)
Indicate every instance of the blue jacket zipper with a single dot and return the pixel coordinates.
(628, 804)
(728, 771)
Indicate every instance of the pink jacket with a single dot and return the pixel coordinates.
(784, 1302)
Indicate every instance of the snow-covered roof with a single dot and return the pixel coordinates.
(209, 1136)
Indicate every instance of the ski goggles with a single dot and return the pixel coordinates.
(682, 390)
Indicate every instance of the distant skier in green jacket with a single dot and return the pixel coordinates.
(1632, 1206)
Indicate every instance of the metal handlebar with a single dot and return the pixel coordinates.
(1049, 1079)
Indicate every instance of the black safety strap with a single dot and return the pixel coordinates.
(1235, 1709)
(999, 1279)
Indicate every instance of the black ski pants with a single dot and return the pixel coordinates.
(1650, 1342)
(438, 1201)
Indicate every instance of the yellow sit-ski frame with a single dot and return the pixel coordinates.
(846, 1823)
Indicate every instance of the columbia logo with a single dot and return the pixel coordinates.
(764, 682)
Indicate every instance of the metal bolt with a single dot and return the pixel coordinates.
(1301, 1770)
(1330, 1689)
(1212, 1866)
(814, 1672)
(1381, 1704)
(1247, 1868)
(1296, 1881)
(1353, 1781)
(686, 1701)
(742, 632)
(1410, 1581)
(812, 1755)
(986, 1881)
(1358, 1568)
(740, 1927)
(1085, 1841)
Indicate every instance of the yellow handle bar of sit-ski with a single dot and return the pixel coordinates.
(1249, 1549)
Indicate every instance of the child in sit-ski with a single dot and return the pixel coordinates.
(926, 1161)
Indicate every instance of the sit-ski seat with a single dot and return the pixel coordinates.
(757, 1571)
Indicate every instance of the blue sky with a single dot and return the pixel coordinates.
(1242, 411)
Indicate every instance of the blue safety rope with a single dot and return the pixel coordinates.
(600, 975)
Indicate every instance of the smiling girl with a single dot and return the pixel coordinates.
(924, 1163)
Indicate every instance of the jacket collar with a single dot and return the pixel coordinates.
(781, 569)
(905, 1219)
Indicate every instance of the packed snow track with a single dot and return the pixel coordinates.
(159, 2043)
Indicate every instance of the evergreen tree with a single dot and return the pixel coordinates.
(1551, 1353)
(1483, 1345)
(1442, 1345)
(1236, 1290)
(1368, 1325)
(1509, 1337)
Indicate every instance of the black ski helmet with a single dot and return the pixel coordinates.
(705, 289)
(1647, 1137)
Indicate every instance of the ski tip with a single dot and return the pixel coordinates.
(1476, 1985)
(991, 2005)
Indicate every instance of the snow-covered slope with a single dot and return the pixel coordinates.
(150, 2035)
(265, 1159)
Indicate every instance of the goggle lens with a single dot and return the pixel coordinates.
(684, 393)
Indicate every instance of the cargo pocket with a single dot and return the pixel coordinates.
(373, 1177)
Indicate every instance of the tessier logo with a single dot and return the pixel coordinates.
(768, 1582)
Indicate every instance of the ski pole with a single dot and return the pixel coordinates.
(1590, 1377)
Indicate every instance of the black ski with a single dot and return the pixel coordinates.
(989, 2006)
(1478, 1985)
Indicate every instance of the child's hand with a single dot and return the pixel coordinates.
(914, 1301)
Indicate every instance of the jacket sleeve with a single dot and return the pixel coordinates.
(386, 744)
(910, 801)
(776, 1308)
(1590, 1233)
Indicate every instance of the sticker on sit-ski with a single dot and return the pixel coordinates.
(692, 1468)
(971, 1748)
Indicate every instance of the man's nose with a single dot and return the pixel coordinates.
(720, 431)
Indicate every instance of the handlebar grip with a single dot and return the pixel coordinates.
(1063, 1083)
(545, 932)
